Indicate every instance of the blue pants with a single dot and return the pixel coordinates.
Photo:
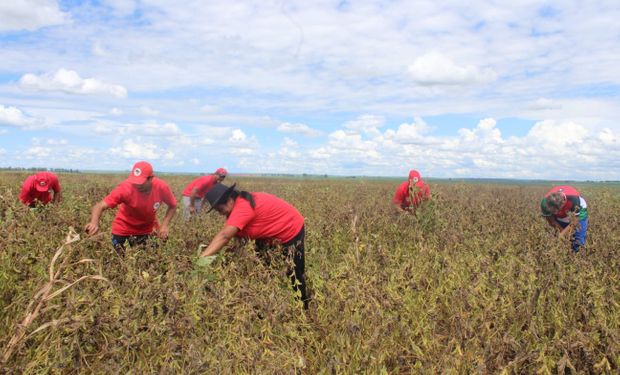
(579, 234)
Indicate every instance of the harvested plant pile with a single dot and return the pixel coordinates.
(474, 282)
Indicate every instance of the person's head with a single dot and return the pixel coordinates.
(42, 182)
(415, 177)
(221, 198)
(554, 202)
(221, 174)
(141, 176)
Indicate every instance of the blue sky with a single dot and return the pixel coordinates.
(521, 90)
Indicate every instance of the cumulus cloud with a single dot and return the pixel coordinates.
(38, 152)
(137, 149)
(69, 81)
(368, 124)
(435, 68)
(13, 116)
(303, 129)
(116, 112)
(237, 136)
(30, 14)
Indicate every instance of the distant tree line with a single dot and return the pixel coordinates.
(37, 169)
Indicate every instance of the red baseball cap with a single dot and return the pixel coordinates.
(415, 177)
(221, 172)
(42, 182)
(140, 172)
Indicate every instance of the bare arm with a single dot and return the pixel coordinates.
(554, 224)
(220, 240)
(163, 229)
(93, 226)
(192, 199)
(57, 197)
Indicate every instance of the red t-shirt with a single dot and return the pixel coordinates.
(202, 185)
(137, 213)
(271, 219)
(29, 192)
(402, 197)
(573, 201)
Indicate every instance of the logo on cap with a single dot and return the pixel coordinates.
(137, 172)
(415, 179)
(42, 183)
(156, 205)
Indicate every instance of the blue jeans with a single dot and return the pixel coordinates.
(579, 234)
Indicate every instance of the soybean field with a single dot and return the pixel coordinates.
(474, 282)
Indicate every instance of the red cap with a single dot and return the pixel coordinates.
(140, 172)
(221, 172)
(415, 177)
(42, 182)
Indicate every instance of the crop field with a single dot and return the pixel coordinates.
(475, 282)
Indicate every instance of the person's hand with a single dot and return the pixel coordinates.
(206, 261)
(163, 232)
(192, 209)
(91, 228)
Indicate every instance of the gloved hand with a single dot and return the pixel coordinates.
(206, 261)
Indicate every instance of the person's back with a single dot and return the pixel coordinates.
(42, 187)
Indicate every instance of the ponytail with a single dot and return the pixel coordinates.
(245, 195)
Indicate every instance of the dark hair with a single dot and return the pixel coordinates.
(245, 195)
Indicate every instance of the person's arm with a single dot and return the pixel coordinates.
(163, 229)
(192, 199)
(24, 194)
(57, 196)
(93, 226)
(220, 240)
(553, 223)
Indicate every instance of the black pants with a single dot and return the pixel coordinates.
(292, 249)
(119, 242)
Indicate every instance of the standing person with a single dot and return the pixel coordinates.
(567, 211)
(410, 194)
(139, 197)
(194, 192)
(41, 187)
(263, 217)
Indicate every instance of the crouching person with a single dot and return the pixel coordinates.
(269, 220)
(139, 197)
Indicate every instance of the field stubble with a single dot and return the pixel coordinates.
(474, 282)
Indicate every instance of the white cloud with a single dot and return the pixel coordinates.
(38, 152)
(57, 142)
(303, 129)
(542, 104)
(435, 68)
(68, 81)
(552, 135)
(149, 111)
(116, 112)
(368, 124)
(238, 136)
(13, 116)
(30, 14)
(137, 149)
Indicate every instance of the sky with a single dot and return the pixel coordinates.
(479, 89)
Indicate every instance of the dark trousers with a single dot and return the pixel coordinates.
(292, 249)
(119, 242)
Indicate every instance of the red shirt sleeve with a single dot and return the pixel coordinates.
(401, 194)
(242, 213)
(115, 197)
(25, 194)
(168, 197)
(427, 191)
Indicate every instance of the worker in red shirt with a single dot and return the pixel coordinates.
(410, 194)
(194, 192)
(566, 211)
(41, 188)
(262, 217)
(139, 197)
